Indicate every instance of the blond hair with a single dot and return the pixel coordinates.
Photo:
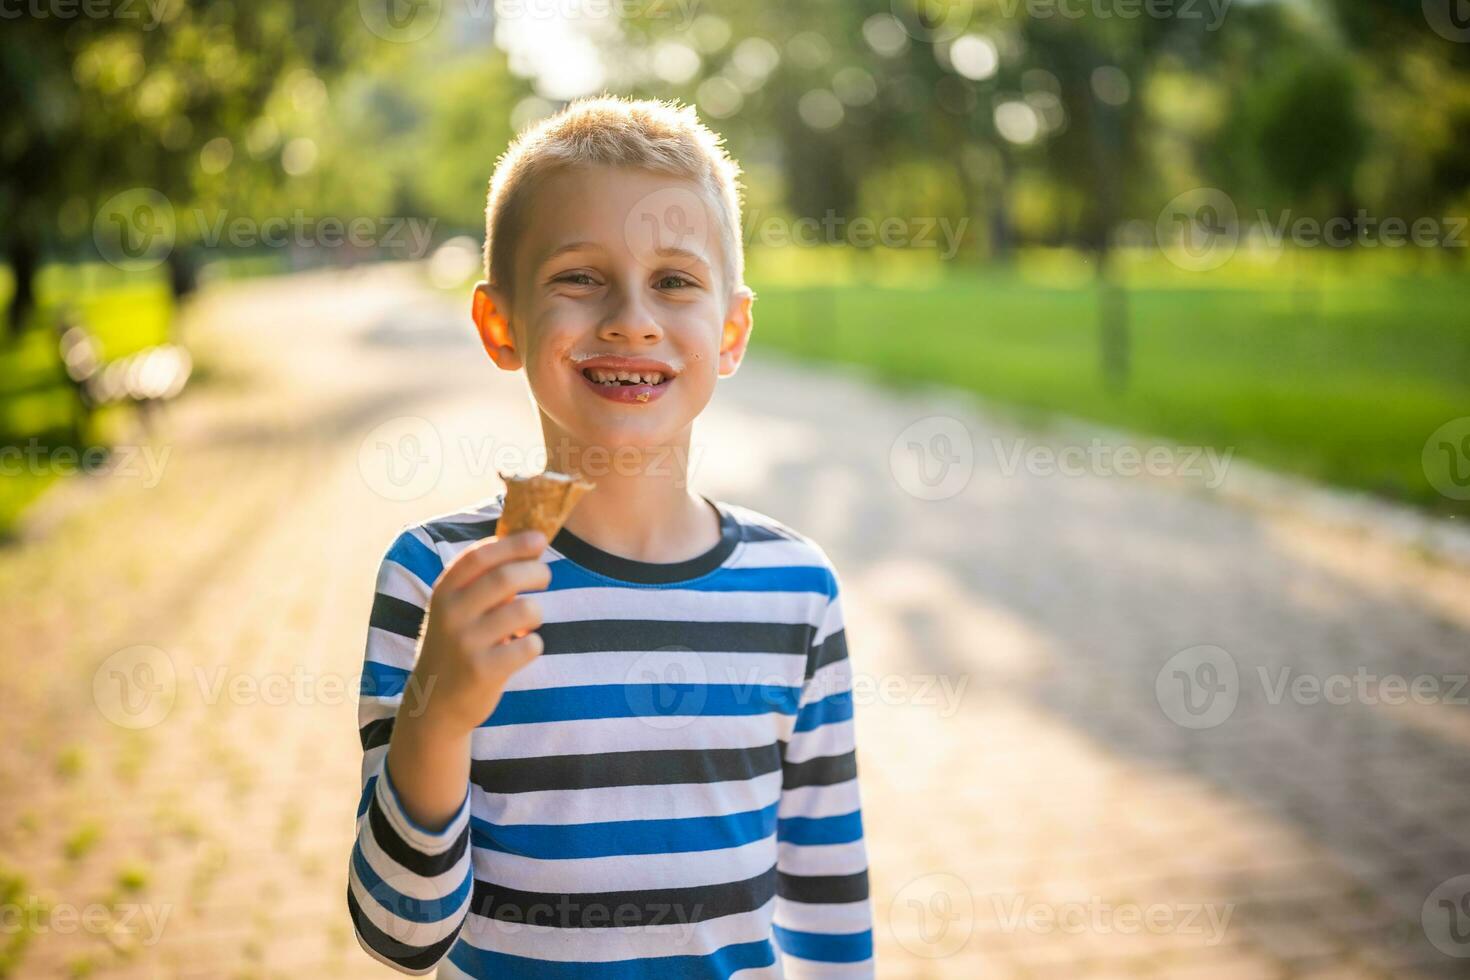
(659, 136)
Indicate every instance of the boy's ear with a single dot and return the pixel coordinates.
(489, 311)
(736, 333)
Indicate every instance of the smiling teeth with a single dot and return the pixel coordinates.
(605, 377)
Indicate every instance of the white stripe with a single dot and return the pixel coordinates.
(823, 859)
(611, 803)
(678, 605)
(831, 620)
(672, 938)
(797, 969)
(594, 736)
(392, 649)
(831, 739)
(837, 918)
(820, 801)
(776, 554)
(622, 872)
(834, 678)
(741, 670)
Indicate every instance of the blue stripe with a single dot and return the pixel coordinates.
(382, 681)
(552, 842)
(777, 578)
(417, 557)
(723, 962)
(367, 795)
(847, 947)
(401, 905)
(829, 710)
(842, 829)
(641, 701)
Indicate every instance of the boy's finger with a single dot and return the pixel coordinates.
(517, 617)
(482, 556)
(515, 654)
(499, 584)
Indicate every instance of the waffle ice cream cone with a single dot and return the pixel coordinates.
(542, 502)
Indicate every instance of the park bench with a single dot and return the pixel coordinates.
(144, 379)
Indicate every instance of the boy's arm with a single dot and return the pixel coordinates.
(409, 885)
(823, 920)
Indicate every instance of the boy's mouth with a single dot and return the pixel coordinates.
(626, 379)
(603, 376)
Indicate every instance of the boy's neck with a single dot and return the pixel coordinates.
(646, 512)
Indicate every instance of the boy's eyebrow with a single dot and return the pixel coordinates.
(674, 251)
(663, 251)
(568, 247)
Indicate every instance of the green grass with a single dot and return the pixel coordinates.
(125, 313)
(1334, 367)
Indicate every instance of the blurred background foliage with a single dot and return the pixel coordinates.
(1057, 131)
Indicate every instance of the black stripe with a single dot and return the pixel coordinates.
(830, 650)
(602, 635)
(602, 910)
(396, 615)
(824, 770)
(406, 854)
(759, 532)
(375, 733)
(457, 531)
(659, 768)
(419, 958)
(823, 889)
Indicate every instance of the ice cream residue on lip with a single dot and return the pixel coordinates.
(676, 366)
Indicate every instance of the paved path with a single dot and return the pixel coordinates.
(1024, 644)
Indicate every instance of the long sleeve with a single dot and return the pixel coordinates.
(823, 921)
(409, 888)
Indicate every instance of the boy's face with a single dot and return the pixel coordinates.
(618, 271)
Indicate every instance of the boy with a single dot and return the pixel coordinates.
(626, 752)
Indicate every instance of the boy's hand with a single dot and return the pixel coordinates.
(477, 633)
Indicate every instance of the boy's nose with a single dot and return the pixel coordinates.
(631, 323)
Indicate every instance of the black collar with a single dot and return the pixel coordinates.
(606, 563)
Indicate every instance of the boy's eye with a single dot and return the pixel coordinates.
(672, 281)
(577, 279)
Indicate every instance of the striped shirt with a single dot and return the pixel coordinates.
(669, 790)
